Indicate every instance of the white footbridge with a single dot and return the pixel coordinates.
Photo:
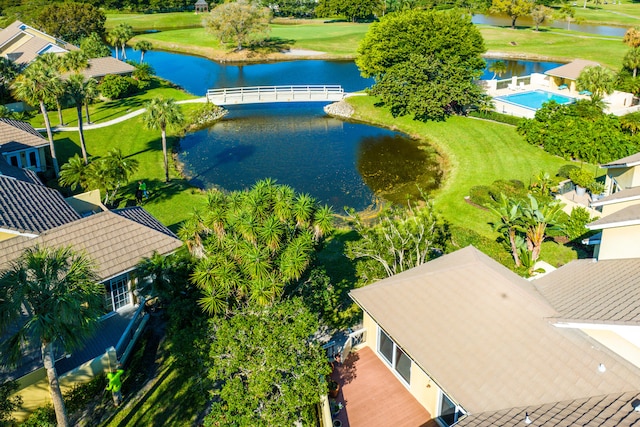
(264, 94)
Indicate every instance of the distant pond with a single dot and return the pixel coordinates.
(339, 163)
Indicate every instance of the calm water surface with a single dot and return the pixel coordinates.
(505, 21)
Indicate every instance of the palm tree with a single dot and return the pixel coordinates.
(58, 290)
(143, 46)
(91, 93)
(76, 61)
(75, 89)
(122, 34)
(55, 64)
(498, 68)
(161, 113)
(508, 210)
(35, 85)
(538, 219)
(114, 39)
(600, 81)
(632, 60)
(74, 173)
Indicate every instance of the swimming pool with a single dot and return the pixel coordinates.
(533, 100)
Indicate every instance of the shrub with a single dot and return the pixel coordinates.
(462, 237)
(481, 195)
(41, 417)
(512, 188)
(114, 87)
(565, 170)
(8, 401)
(581, 177)
(575, 226)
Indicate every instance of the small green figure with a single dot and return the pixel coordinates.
(115, 384)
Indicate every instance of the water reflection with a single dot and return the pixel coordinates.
(396, 168)
(526, 21)
(518, 68)
(300, 146)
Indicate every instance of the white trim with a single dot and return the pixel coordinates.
(614, 224)
(393, 356)
(613, 201)
(17, 233)
(620, 165)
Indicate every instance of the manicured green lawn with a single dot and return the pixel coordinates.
(154, 21)
(554, 44)
(170, 203)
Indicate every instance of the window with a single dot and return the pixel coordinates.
(398, 359)
(33, 160)
(449, 412)
(14, 160)
(118, 294)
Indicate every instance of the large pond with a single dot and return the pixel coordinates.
(339, 163)
(526, 21)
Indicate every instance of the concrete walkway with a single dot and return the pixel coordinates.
(117, 119)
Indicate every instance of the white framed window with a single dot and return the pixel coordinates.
(394, 356)
(33, 159)
(14, 160)
(448, 412)
(117, 293)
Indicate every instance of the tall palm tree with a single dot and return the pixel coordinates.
(75, 61)
(114, 39)
(36, 85)
(600, 81)
(632, 60)
(76, 91)
(91, 93)
(58, 290)
(55, 64)
(143, 46)
(122, 34)
(159, 114)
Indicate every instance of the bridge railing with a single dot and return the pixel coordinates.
(275, 93)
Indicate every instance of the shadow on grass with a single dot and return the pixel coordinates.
(275, 44)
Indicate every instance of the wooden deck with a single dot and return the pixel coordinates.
(373, 397)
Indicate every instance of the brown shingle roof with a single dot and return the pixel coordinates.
(31, 208)
(595, 291)
(619, 196)
(17, 135)
(571, 70)
(624, 162)
(627, 216)
(612, 410)
(100, 67)
(116, 243)
(482, 333)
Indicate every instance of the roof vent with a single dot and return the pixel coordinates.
(602, 368)
(527, 420)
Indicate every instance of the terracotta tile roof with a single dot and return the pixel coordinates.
(595, 291)
(571, 70)
(116, 243)
(31, 208)
(16, 135)
(18, 173)
(619, 196)
(611, 410)
(100, 67)
(627, 216)
(483, 334)
(624, 162)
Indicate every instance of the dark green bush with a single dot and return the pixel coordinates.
(41, 417)
(114, 87)
(511, 188)
(462, 237)
(575, 226)
(481, 195)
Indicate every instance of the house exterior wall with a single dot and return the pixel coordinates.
(625, 346)
(615, 207)
(619, 243)
(5, 236)
(422, 387)
(625, 177)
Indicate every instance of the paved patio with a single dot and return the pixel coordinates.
(373, 397)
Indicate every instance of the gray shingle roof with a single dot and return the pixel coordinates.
(18, 173)
(100, 67)
(586, 290)
(139, 215)
(624, 162)
(483, 334)
(627, 216)
(114, 242)
(31, 208)
(611, 410)
(16, 135)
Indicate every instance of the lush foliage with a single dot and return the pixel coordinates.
(271, 369)
(597, 80)
(119, 36)
(238, 23)
(114, 86)
(579, 131)
(352, 9)
(253, 243)
(512, 8)
(424, 62)
(8, 403)
(94, 47)
(71, 21)
(161, 113)
(296, 8)
(402, 239)
(575, 226)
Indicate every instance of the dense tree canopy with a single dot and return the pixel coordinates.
(514, 9)
(238, 23)
(272, 371)
(253, 243)
(579, 131)
(352, 9)
(71, 21)
(424, 62)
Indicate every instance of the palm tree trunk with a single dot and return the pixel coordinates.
(514, 247)
(635, 72)
(80, 131)
(115, 46)
(60, 119)
(164, 153)
(141, 56)
(52, 148)
(54, 385)
(124, 54)
(86, 110)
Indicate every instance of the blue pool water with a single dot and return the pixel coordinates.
(533, 100)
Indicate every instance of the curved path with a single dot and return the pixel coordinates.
(117, 119)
